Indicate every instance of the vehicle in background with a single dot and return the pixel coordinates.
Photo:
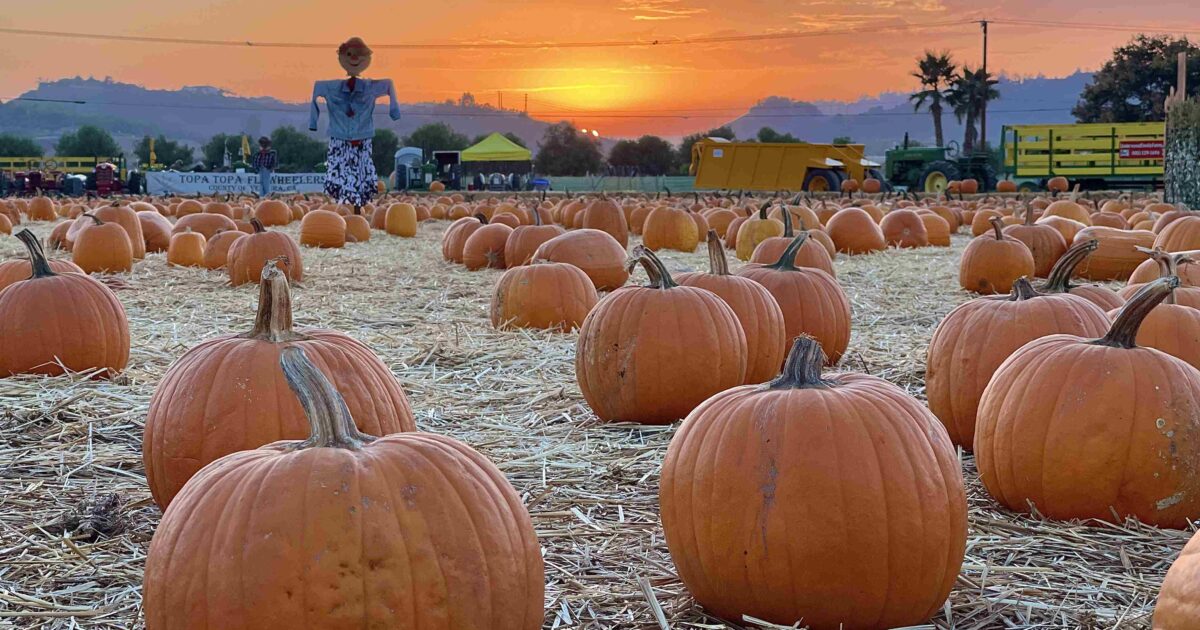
(931, 169)
(719, 164)
(1096, 156)
(31, 175)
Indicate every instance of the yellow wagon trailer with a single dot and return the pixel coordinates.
(1096, 156)
(719, 164)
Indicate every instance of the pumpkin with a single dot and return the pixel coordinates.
(358, 229)
(1187, 269)
(668, 227)
(1180, 235)
(323, 228)
(1177, 607)
(216, 249)
(757, 311)
(1057, 184)
(1059, 280)
(272, 212)
(968, 186)
(524, 241)
(102, 247)
(606, 216)
(872, 186)
(971, 342)
(41, 329)
(125, 217)
(597, 253)
(437, 187)
(1044, 242)
(811, 254)
(1083, 428)
(221, 208)
(1117, 255)
(904, 229)
(6, 224)
(14, 271)
(506, 218)
(754, 231)
(485, 246)
(1068, 209)
(854, 232)
(186, 249)
(823, 480)
(547, 295)
(156, 230)
(992, 262)
(345, 530)
(247, 256)
(455, 237)
(58, 236)
(812, 301)
(981, 222)
(41, 209)
(650, 354)
(937, 229)
(1173, 327)
(720, 220)
(221, 396)
(1006, 186)
(400, 219)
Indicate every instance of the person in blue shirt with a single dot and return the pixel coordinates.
(350, 177)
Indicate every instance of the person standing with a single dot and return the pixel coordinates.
(350, 177)
(264, 164)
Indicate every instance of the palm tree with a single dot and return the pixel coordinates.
(969, 93)
(935, 72)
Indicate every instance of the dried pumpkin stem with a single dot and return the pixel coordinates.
(660, 278)
(37, 256)
(717, 264)
(537, 216)
(1029, 215)
(1022, 290)
(802, 369)
(93, 217)
(762, 210)
(1124, 330)
(259, 228)
(998, 227)
(1059, 280)
(787, 222)
(787, 261)
(328, 417)
(274, 320)
(482, 218)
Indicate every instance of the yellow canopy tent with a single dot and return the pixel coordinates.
(496, 148)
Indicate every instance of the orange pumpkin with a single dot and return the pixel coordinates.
(41, 329)
(125, 217)
(1180, 235)
(757, 311)
(346, 530)
(904, 229)
(358, 230)
(1083, 428)
(102, 247)
(650, 354)
(991, 263)
(606, 216)
(788, 459)
(271, 212)
(324, 229)
(547, 295)
(216, 249)
(811, 254)
(1179, 598)
(221, 397)
(205, 223)
(596, 253)
(1117, 256)
(249, 255)
(524, 241)
(854, 232)
(14, 271)
(186, 249)
(485, 246)
(754, 231)
(1044, 242)
(1059, 280)
(668, 227)
(156, 230)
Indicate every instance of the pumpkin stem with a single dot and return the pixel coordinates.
(1022, 290)
(787, 222)
(259, 228)
(1124, 330)
(762, 211)
(482, 218)
(328, 417)
(37, 256)
(660, 278)
(537, 216)
(802, 370)
(998, 227)
(717, 264)
(274, 320)
(1059, 280)
(93, 217)
(1028, 215)
(787, 261)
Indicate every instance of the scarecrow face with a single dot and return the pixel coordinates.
(354, 60)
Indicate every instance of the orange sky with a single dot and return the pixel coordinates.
(710, 83)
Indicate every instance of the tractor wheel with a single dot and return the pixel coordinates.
(936, 177)
(987, 178)
(822, 180)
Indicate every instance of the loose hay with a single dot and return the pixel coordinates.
(68, 445)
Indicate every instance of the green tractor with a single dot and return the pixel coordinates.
(931, 169)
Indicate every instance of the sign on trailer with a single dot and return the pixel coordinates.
(1141, 150)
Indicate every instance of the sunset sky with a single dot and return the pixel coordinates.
(707, 83)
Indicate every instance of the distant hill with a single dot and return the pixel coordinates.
(881, 122)
(195, 114)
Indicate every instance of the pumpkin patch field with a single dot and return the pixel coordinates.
(465, 413)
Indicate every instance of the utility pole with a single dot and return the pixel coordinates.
(527, 103)
(500, 98)
(983, 108)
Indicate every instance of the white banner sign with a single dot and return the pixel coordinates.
(175, 183)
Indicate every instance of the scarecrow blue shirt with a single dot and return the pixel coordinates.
(352, 106)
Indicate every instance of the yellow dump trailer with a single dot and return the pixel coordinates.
(719, 164)
(1094, 155)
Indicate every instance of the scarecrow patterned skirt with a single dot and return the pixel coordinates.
(350, 176)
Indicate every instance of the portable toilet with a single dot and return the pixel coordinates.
(408, 168)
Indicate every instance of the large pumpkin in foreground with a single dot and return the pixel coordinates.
(1095, 428)
(41, 327)
(835, 499)
(226, 394)
(1178, 605)
(345, 531)
(651, 354)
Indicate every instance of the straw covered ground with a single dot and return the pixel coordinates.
(76, 517)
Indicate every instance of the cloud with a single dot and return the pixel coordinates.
(658, 10)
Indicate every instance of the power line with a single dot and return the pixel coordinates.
(1093, 26)
(497, 45)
